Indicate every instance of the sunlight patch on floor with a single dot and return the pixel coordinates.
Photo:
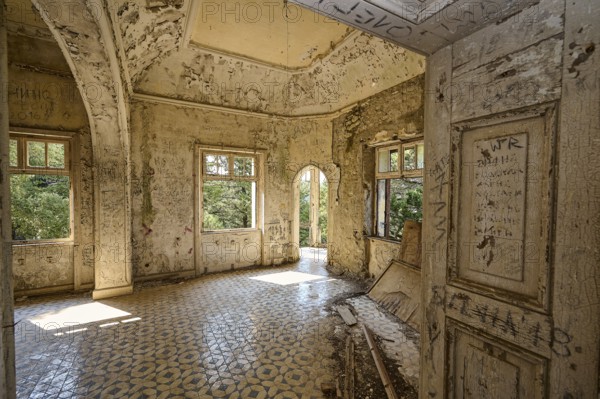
(80, 314)
(288, 278)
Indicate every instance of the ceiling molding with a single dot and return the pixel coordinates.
(234, 111)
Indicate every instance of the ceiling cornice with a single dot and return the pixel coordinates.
(235, 111)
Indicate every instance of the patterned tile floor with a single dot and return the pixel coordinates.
(247, 334)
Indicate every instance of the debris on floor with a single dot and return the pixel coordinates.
(395, 341)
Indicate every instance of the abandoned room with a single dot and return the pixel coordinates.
(300, 199)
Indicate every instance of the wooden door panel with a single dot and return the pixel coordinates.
(482, 367)
(502, 183)
(498, 328)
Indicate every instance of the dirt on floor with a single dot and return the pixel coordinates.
(367, 381)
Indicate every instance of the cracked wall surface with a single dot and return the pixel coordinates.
(164, 139)
(157, 61)
(43, 97)
(393, 114)
(148, 29)
(83, 31)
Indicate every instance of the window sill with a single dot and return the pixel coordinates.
(375, 238)
(230, 231)
(31, 243)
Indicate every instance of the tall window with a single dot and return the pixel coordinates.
(229, 184)
(40, 187)
(399, 176)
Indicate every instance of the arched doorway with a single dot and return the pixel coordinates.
(311, 214)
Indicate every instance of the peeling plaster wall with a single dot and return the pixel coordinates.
(395, 113)
(83, 31)
(149, 30)
(43, 96)
(381, 253)
(359, 68)
(164, 139)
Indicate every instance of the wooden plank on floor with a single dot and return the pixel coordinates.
(385, 377)
(349, 385)
(347, 315)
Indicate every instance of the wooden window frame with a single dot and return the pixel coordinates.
(22, 155)
(257, 178)
(390, 175)
(23, 137)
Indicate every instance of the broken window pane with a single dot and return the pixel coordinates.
(56, 155)
(409, 158)
(228, 204)
(243, 166)
(36, 154)
(40, 206)
(14, 153)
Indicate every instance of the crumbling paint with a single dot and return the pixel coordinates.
(149, 31)
(398, 110)
(43, 95)
(329, 85)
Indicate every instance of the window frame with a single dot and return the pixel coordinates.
(399, 146)
(22, 137)
(257, 178)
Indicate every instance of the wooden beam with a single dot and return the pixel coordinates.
(385, 377)
(349, 382)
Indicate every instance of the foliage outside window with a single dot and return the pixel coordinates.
(229, 189)
(40, 188)
(399, 197)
